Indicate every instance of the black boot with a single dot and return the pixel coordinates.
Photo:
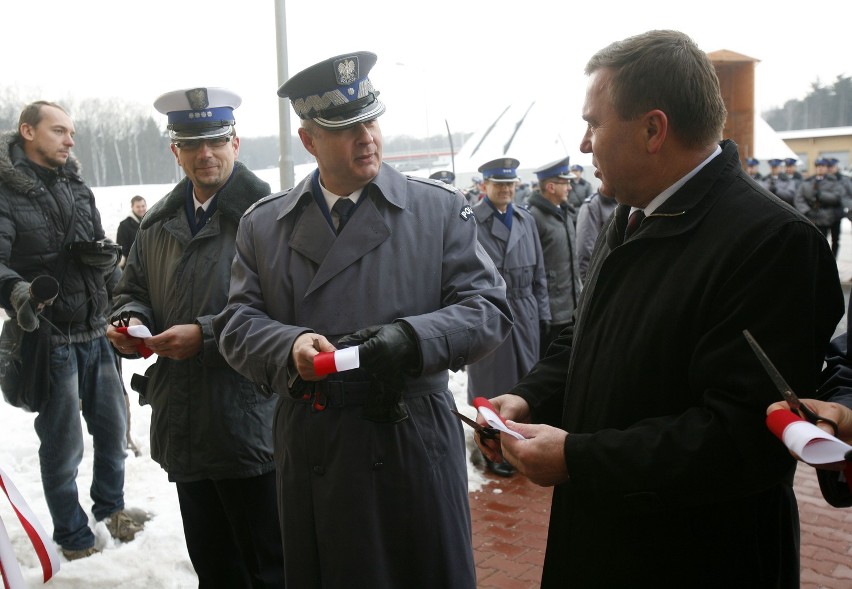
(503, 469)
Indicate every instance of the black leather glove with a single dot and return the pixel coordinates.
(24, 310)
(385, 347)
(386, 353)
(103, 255)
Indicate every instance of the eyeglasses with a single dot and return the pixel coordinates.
(195, 144)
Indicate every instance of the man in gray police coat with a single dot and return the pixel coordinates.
(372, 478)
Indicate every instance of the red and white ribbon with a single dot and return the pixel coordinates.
(45, 550)
(806, 440)
(486, 409)
(337, 361)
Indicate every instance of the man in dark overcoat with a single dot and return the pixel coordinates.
(665, 473)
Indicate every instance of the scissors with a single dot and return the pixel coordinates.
(486, 433)
(792, 400)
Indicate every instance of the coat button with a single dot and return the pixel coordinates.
(458, 363)
(319, 470)
(378, 465)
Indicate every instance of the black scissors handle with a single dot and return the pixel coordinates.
(807, 413)
(486, 433)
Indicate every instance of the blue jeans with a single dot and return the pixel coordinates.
(82, 374)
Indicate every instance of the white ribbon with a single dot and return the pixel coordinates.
(45, 550)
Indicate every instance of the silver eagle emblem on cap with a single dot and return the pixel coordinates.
(346, 70)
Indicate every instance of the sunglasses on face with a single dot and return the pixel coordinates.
(195, 144)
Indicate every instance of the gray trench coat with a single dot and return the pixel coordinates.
(518, 256)
(366, 504)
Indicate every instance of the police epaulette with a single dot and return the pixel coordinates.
(432, 182)
(267, 199)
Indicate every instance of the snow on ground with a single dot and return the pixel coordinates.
(157, 558)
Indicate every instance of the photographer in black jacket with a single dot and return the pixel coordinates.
(49, 225)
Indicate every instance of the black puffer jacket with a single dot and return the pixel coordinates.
(38, 208)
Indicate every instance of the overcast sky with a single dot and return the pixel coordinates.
(456, 62)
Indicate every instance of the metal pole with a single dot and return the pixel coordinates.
(285, 161)
(452, 151)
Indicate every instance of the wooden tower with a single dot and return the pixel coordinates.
(736, 80)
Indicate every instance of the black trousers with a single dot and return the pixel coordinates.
(834, 230)
(232, 532)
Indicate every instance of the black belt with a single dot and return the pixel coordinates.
(327, 393)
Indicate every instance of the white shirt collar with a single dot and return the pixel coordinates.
(331, 198)
(665, 194)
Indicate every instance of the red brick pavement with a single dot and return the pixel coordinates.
(510, 518)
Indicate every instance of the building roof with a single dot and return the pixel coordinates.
(807, 133)
(731, 56)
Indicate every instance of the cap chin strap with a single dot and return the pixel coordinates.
(206, 131)
(365, 116)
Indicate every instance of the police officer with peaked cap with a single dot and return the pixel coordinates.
(557, 169)
(549, 207)
(199, 113)
(211, 429)
(403, 277)
(581, 189)
(444, 176)
(792, 170)
(509, 235)
(751, 168)
(778, 183)
(502, 169)
(820, 198)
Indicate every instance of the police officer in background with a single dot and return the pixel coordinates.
(444, 176)
(474, 193)
(549, 207)
(792, 171)
(820, 199)
(581, 189)
(778, 183)
(211, 429)
(509, 235)
(372, 475)
(752, 165)
(595, 212)
(845, 183)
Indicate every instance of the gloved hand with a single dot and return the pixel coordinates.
(385, 347)
(103, 255)
(24, 311)
(104, 260)
(386, 351)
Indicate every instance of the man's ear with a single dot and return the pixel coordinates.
(27, 131)
(307, 141)
(656, 130)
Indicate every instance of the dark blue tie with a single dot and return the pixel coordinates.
(343, 208)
